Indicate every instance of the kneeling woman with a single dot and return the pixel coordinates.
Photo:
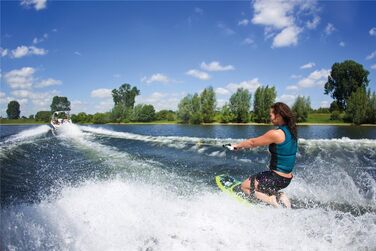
(283, 144)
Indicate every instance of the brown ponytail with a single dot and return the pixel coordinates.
(285, 112)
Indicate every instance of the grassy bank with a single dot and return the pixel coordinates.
(21, 122)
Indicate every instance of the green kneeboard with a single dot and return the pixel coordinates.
(231, 186)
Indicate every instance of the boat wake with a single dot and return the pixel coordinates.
(158, 193)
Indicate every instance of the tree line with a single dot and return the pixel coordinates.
(347, 85)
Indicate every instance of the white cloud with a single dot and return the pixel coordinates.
(22, 93)
(101, 93)
(158, 77)
(329, 29)
(47, 82)
(295, 76)
(22, 51)
(3, 52)
(79, 106)
(199, 11)
(5, 99)
(371, 56)
(342, 44)
(24, 79)
(37, 51)
(248, 41)
(372, 32)
(243, 22)
(226, 30)
(21, 78)
(250, 85)
(104, 105)
(280, 19)
(221, 102)
(77, 53)
(273, 13)
(161, 101)
(308, 65)
(287, 37)
(216, 66)
(39, 40)
(2, 94)
(313, 24)
(222, 91)
(37, 4)
(41, 100)
(287, 99)
(373, 67)
(292, 87)
(325, 104)
(198, 74)
(315, 79)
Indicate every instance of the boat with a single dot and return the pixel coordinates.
(59, 119)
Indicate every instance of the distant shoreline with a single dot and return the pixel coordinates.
(204, 124)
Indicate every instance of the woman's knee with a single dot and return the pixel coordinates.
(251, 183)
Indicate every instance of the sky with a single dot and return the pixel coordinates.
(169, 49)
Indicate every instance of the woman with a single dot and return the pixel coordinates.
(283, 142)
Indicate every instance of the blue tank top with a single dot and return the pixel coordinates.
(283, 155)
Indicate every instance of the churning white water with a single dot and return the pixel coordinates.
(149, 204)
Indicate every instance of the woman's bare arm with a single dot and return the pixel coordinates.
(270, 137)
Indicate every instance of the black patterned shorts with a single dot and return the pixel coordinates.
(269, 182)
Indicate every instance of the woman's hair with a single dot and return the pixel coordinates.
(285, 112)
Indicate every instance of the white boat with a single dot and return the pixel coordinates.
(59, 119)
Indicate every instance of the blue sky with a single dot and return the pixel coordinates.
(84, 49)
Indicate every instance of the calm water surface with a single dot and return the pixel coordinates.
(151, 187)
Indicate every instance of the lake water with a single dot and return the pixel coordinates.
(151, 187)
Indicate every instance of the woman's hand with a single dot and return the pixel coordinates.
(231, 147)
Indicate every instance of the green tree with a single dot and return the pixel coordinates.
(240, 105)
(31, 116)
(60, 104)
(356, 110)
(80, 118)
(13, 110)
(189, 109)
(143, 113)
(371, 109)
(344, 79)
(101, 118)
(208, 104)
(127, 115)
(301, 108)
(264, 99)
(335, 115)
(184, 109)
(125, 95)
(168, 115)
(124, 99)
(226, 115)
(117, 113)
(334, 107)
(195, 115)
(44, 116)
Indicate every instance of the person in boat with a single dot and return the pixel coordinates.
(283, 144)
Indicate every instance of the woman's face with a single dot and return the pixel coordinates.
(274, 118)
